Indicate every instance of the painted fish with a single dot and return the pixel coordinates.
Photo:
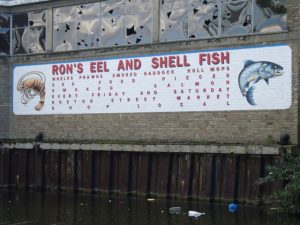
(254, 72)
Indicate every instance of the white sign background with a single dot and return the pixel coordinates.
(192, 87)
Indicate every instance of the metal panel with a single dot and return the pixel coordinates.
(112, 23)
(37, 18)
(142, 172)
(86, 170)
(173, 20)
(112, 8)
(236, 18)
(173, 176)
(252, 175)
(4, 167)
(89, 11)
(51, 169)
(205, 176)
(228, 174)
(4, 41)
(19, 2)
(20, 41)
(138, 30)
(4, 21)
(103, 165)
(76, 27)
(203, 19)
(20, 20)
(87, 33)
(270, 16)
(37, 39)
(65, 14)
(122, 172)
(63, 37)
(184, 164)
(112, 31)
(139, 25)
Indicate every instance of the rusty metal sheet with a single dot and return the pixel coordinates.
(217, 177)
(132, 176)
(4, 167)
(77, 170)
(241, 195)
(67, 170)
(51, 169)
(252, 176)
(36, 167)
(86, 170)
(97, 171)
(70, 172)
(229, 177)
(113, 172)
(2, 181)
(205, 175)
(152, 187)
(29, 171)
(11, 168)
(19, 177)
(122, 172)
(142, 172)
(195, 177)
(184, 162)
(104, 167)
(163, 161)
(173, 175)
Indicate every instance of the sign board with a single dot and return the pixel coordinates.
(253, 78)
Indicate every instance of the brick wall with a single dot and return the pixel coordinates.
(4, 98)
(259, 127)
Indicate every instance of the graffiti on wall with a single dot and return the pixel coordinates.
(253, 78)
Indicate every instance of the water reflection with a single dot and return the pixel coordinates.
(51, 208)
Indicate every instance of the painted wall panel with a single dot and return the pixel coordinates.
(252, 78)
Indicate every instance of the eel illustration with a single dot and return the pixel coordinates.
(253, 72)
(30, 85)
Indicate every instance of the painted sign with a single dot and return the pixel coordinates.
(254, 78)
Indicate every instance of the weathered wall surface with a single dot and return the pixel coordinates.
(4, 98)
(246, 127)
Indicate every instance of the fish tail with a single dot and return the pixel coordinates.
(249, 96)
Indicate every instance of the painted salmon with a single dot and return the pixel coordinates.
(253, 72)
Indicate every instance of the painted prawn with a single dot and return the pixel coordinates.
(31, 85)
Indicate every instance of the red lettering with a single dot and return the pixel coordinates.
(54, 70)
(79, 68)
(155, 63)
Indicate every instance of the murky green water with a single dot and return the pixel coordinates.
(36, 208)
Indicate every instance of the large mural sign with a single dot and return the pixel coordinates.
(253, 78)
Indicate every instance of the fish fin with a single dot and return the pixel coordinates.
(248, 62)
(249, 96)
(267, 81)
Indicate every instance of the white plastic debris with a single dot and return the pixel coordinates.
(195, 214)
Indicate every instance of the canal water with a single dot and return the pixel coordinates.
(36, 208)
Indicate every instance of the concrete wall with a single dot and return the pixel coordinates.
(245, 127)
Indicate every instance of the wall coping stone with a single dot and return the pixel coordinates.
(159, 148)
